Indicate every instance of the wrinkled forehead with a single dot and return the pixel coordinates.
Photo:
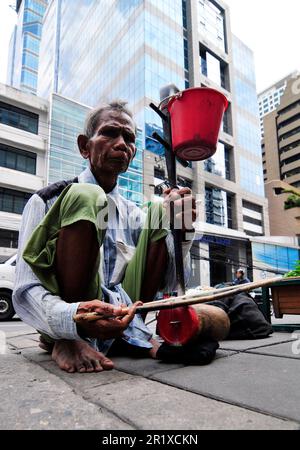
(116, 118)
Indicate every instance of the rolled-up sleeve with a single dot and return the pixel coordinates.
(35, 305)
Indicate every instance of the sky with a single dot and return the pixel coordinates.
(269, 27)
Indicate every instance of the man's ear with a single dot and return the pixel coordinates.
(82, 142)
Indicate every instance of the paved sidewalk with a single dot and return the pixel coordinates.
(251, 385)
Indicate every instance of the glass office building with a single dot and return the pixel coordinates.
(247, 120)
(248, 143)
(24, 48)
(270, 98)
(142, 49)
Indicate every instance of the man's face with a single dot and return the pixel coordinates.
(239, 275)
(112, 148)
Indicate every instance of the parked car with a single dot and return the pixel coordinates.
(7, 277)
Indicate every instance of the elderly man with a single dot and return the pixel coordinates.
(70, 261)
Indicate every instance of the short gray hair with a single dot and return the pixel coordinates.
(94, 117)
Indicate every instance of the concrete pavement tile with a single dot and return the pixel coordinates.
(240, 346)
(287, 350)
(148, 367)
(83, 381)
(12, 334)
(22, 342)
(150, 405)
(263, 383)
(143, 367)
(35, 337)
(224, 353)
(34, 399)
(36, 355)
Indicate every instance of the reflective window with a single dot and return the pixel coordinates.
(34, 28)
(251, 175)
(31, 43)
(243, 60)
(37, 6)
(13, 201)
(246, 97)
(214, 69)
(9, 239)
(248, 135)
(17, 159)
(31, 61)
(30, 16)
(211, 23)
(29, 79)
(216, 206)
(65, 161)
(19, 118)
(216, 164)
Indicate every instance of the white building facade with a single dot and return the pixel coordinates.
(23, 159)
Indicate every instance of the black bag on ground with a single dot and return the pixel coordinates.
(199, 353)
(246, 320)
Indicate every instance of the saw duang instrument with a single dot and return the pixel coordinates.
(182, 319)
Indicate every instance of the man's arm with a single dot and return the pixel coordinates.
(160, 271)
(36, 306)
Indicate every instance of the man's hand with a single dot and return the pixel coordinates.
(115, 321)
(184, 207)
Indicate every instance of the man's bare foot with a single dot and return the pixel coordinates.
(77, 356)
(155, 348)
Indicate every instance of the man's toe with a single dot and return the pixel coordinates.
(89, 366)
(106, 363)
(97, 365)
(80, 368)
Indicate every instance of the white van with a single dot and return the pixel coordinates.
(7, 278)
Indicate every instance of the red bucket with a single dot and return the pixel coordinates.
(196, 116)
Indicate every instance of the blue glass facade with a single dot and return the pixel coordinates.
(165, 59)
(251, 176)
(274, 257)
(247, 120)
(67, 122)
(25, 45)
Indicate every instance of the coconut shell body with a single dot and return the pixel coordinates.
(183, 325)
(213, 322)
